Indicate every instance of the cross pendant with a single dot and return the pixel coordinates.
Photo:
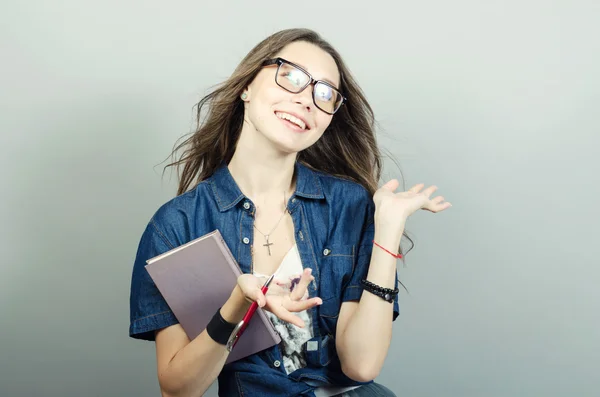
(268, 244)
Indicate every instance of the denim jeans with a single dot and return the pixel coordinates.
(370, 390)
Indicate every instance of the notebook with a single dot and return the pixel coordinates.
(196, 279)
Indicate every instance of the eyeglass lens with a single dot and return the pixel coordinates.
(295, 80)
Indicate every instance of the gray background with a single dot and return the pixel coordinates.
(492, 101)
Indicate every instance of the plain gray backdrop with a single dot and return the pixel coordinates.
(494, 102)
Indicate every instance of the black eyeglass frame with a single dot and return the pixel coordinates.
(311, 81)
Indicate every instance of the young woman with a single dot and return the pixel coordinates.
(285, 164)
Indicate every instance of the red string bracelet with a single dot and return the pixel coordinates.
(398, 256)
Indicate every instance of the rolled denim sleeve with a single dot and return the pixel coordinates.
(354, 289)
(148, 309)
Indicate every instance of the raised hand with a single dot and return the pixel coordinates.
(393, 208)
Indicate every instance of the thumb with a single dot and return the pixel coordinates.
(260, 298)
(391, 185)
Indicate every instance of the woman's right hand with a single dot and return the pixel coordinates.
(279, 301)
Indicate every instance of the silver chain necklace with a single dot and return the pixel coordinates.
(266, 236)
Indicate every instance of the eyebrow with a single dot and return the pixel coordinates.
(330, 82)
(323, 79)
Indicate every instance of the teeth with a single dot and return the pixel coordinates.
(292, 119)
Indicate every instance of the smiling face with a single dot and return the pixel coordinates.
(291, 121)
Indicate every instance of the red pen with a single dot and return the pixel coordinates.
(242, 325)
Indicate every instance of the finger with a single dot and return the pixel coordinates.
(439, 204)
(430, 190)
(299, 306)
(285, 315)
(259, 297)
(300, 289)
(437, 200)
(416, 188)
(248, 281)
(250, 287)
(391, 185)
(438, 207)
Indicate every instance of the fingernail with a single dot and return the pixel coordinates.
(319, 302)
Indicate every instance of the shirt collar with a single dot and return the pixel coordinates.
(228, 193)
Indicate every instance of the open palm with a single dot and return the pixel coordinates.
(397, 206)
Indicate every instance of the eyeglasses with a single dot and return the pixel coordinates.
(293, 78)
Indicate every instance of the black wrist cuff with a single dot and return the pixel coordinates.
(386, 294)
(218, 329)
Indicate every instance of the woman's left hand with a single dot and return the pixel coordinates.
(394, 208)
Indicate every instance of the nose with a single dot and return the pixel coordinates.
(304, 98)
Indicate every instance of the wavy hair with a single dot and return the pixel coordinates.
(348, 148)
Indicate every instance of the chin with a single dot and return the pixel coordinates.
(289, 144)
(289, 149)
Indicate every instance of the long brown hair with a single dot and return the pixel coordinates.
(348, 148)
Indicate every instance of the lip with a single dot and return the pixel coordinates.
(297, 116)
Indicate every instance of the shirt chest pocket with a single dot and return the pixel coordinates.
(336, 265)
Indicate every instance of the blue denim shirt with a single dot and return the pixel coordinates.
(333, 226)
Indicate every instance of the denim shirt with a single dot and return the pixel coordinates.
(333, 228)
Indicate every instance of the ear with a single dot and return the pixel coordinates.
(245, 95)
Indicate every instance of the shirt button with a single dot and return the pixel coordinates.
(326, 251)
(247, 205)
(294, 200)
(277, 363)
(246, 240)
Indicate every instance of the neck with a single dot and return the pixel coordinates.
(263, 174)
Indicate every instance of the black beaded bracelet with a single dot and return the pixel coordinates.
(219, 329)
(387, 294)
